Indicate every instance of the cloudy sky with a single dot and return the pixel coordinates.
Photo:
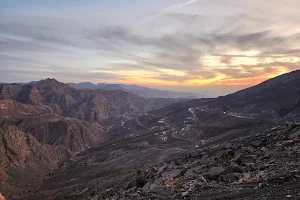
(205, 46)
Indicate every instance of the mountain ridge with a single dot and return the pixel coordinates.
(136, 89)
(159, 142)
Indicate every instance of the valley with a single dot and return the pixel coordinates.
(93, 143)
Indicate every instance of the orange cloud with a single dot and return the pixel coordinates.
(257, 79)
(219, 79)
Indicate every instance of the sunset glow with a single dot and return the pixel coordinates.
(181, 45)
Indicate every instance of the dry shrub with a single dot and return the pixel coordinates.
(140, 178)
(1, 197)
(172, 183)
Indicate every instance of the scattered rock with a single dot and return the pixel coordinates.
(110, 191)
(146, 186)
(214, 173)
(185, 194)
(237, 155)
(235, 168)
(295, 135)
(219, 154)
(158, 181)
(161, 169)
(83, 191)
(262, 159)
(201, 178)
(256, 143)
(95, 198)
(172, 174)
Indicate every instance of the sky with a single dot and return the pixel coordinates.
(211, 47)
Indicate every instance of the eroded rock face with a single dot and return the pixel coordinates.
(50, 128)
(24, 161)
(74, 134)
(94, 106)
(34, 140)
(83, 104)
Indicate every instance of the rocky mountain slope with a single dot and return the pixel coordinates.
(24, 161)
(273, 98)
(48, 127)
(232, 147)
(260, 166)
(84, 104)
(34, 140)
(56, 116)
(264, 165)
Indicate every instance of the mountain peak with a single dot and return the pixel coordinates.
(50, 82)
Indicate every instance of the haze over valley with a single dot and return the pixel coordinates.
(149, 100)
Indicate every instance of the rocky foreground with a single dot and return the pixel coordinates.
(261, 166)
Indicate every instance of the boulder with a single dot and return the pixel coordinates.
(237, 155)
(256, 143)
(146, 187)
(158, 181)
(219, 154)
(235, 168)
(214, 173)
(161, 169)
(185, 194)
(110, 191)
(189, 174)
(172, 174)
(295, 135)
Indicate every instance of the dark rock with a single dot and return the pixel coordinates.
(189, 174)
(214, 173)
(110, 191)
(146, 187)
(131, 190)
(158, 181)
(83, 191)
(228, 145)
(130, 184)
(295, 135)
(256, 143)
(172, 174)
(237, 155)
(235, 168)
(202, 179)
(219, 154)
(274, 154)
(161, 169)
(185, 194)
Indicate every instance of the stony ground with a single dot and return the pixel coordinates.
(261, 166)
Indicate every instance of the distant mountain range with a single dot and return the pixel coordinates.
(59, 142)
(136, 89)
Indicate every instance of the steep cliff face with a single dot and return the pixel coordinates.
(11, 91)
(49, 127)
(24, 161)
(34, 139)
(89, 105)
(125, 102)
(74, 134)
